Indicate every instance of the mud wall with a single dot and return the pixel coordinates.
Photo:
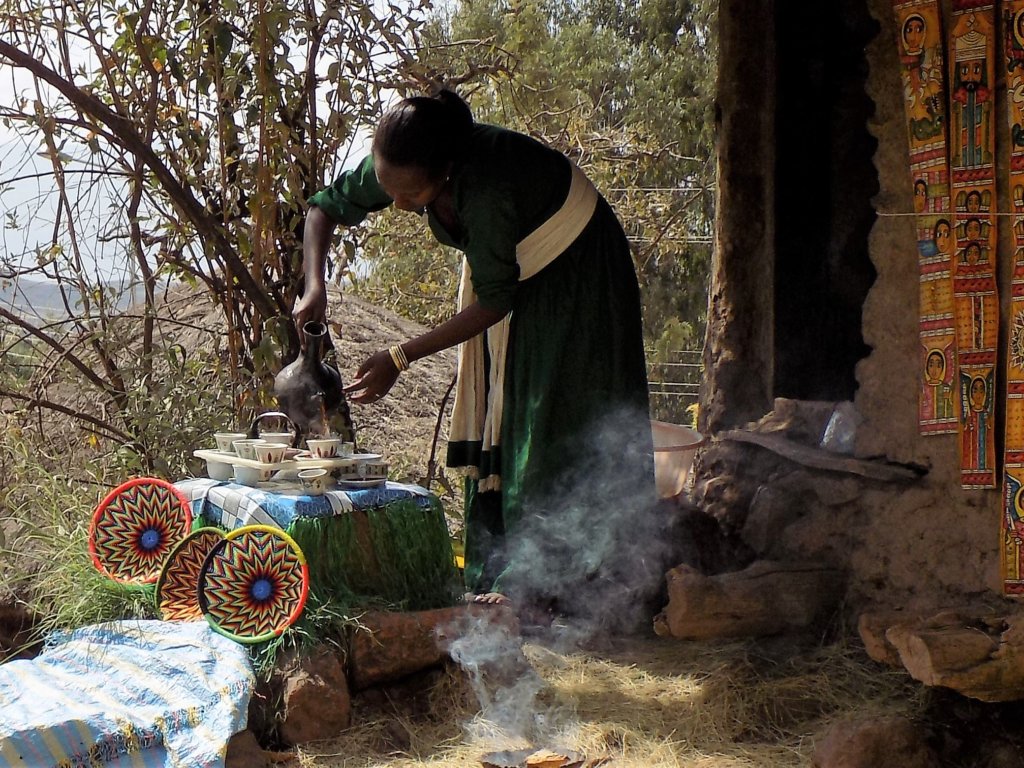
(922, 543)
(935, 536)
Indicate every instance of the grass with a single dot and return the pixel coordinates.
(44, 518)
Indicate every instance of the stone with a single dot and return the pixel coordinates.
(767, 598)
(800, 420)
(981, 657)
(772, 510)
(315, 701)
(391, 645)
(725, 498)
(875, 742)
(244, 751)
(16, 624)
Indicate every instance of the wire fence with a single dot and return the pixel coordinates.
(674, 385)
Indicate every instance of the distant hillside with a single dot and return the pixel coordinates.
(404, 426)
(42, 298)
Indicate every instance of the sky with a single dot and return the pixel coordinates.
(28, 206)
(29, 199)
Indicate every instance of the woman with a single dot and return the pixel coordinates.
(549, 322)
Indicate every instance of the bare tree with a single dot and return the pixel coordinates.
(182, 139)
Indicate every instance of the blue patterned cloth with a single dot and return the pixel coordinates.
(230, 505)
(125, 693)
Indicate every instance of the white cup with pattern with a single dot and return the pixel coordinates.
(314, 481)
(324, 447)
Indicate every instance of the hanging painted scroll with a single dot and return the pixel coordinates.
(924, 79)
(1012, 527)
(972, 167)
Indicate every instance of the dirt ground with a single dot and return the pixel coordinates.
(403, 425)
(407, 419)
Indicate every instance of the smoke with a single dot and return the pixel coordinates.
(509, 691)
(505, 684)
(595, 548)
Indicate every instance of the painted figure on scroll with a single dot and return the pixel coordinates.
(551, 356)
(939, 396)
(973, 229)
(923, 83)
(974, 392)
(942, 236)
(970, 101)
(920, 196)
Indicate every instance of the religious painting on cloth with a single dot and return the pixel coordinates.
(924, 86)
(972, 51)
(1012, 519)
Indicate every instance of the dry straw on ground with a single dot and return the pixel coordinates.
(649, 703)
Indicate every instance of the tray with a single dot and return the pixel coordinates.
(355, 484)
(339, 462)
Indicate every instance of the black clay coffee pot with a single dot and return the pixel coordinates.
(308, 389)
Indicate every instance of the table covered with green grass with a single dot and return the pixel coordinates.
(381, 547)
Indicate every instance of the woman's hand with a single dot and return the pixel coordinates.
(374, 379)
(312, 306)
(378, 374)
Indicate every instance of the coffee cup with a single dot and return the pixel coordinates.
(372, 470)
(278, 437)
(225, 440)
(251, 475)
(324, 447)
(246, 447)
(270, 453)
(314, 481)
(218, 470)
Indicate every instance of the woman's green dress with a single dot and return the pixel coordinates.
(575, 454)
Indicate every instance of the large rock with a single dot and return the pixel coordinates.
(874, 743)
(314, 696)
(305, 698)
(980, 656)
(766, 598)
(778, 506)
(244, 751)
(389, 646)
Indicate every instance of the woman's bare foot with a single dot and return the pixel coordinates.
(487, 598)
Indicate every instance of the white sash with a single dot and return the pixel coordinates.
(476, 414)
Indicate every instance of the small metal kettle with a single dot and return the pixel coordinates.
(293, 439)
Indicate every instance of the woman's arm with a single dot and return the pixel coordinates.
(378, 374)
(465, 325)
(316, 240)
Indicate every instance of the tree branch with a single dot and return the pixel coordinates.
(36, 402)
(183, 198)
(62, 351)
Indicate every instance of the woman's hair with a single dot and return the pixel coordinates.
(427, 132)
